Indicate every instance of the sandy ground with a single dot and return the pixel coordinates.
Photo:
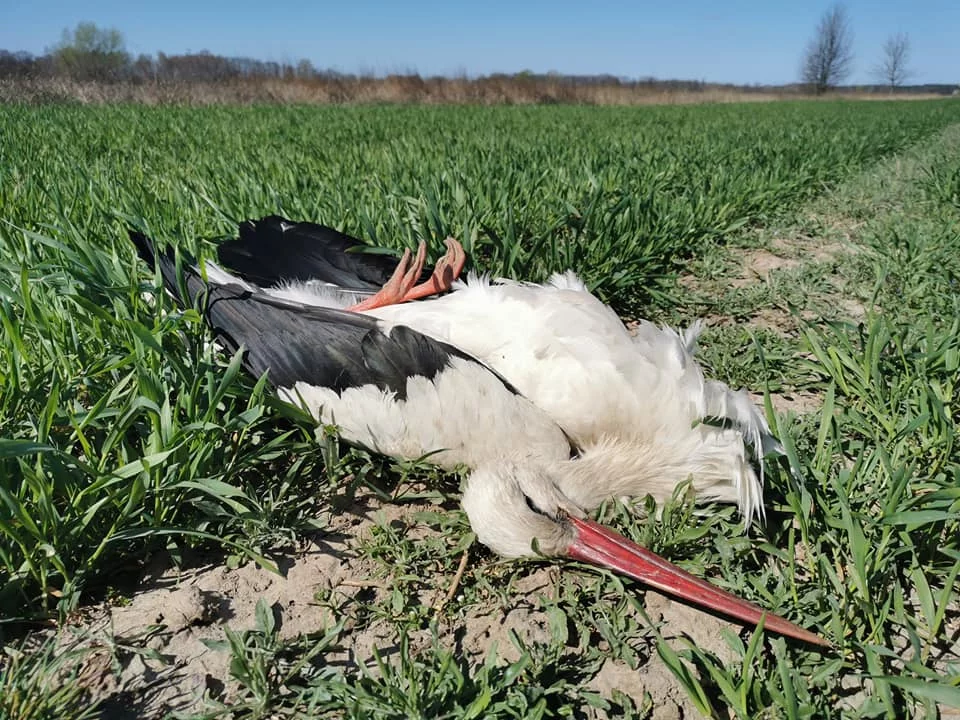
(154, 658)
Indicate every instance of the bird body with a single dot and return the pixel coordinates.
(636, 407)
(400, 393)
(633, 405)
(550, 403)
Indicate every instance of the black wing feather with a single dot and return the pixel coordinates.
(304, 343)
(273, 249)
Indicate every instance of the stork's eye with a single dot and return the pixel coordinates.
(533, 506)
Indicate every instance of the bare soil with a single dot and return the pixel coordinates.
(152, 656)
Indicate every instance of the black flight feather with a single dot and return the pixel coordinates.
(294, 343)
(273, 249)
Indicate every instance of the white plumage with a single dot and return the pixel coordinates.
(634, 405)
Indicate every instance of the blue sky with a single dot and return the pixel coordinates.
(740, 41)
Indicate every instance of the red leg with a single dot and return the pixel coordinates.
(400, 287)
(399, 284)
(447, 269)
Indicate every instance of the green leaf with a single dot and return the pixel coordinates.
(939, 692)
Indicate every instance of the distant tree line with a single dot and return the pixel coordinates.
(90, 53)
(92, 64)
(204, 66)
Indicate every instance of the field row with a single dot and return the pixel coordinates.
(617, 193)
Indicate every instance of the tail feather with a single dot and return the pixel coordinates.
(673, 352)
(738, 408)
(167, 263)
(676, 350)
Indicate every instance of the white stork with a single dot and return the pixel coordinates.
(633, 405)
(517, 400)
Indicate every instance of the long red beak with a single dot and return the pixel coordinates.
(601, 546)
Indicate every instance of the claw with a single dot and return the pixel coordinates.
(447, 269)
(400, 287)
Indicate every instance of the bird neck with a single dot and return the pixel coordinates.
(615, 469)
(719, 470)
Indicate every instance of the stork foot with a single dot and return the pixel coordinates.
(400, 287)
(447, 269)
(400, 283)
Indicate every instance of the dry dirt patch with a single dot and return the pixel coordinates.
(171, 617)
(164, 663)
(818, 249)
(796, 401)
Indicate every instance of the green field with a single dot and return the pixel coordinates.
(124, 438)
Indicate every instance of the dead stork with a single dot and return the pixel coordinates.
(633, 405)
(399, 392)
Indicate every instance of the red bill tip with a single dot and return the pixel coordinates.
(601, 546)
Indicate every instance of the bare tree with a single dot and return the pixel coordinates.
(892, 69)
(828, 58)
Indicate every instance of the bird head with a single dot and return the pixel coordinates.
(518, 510)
